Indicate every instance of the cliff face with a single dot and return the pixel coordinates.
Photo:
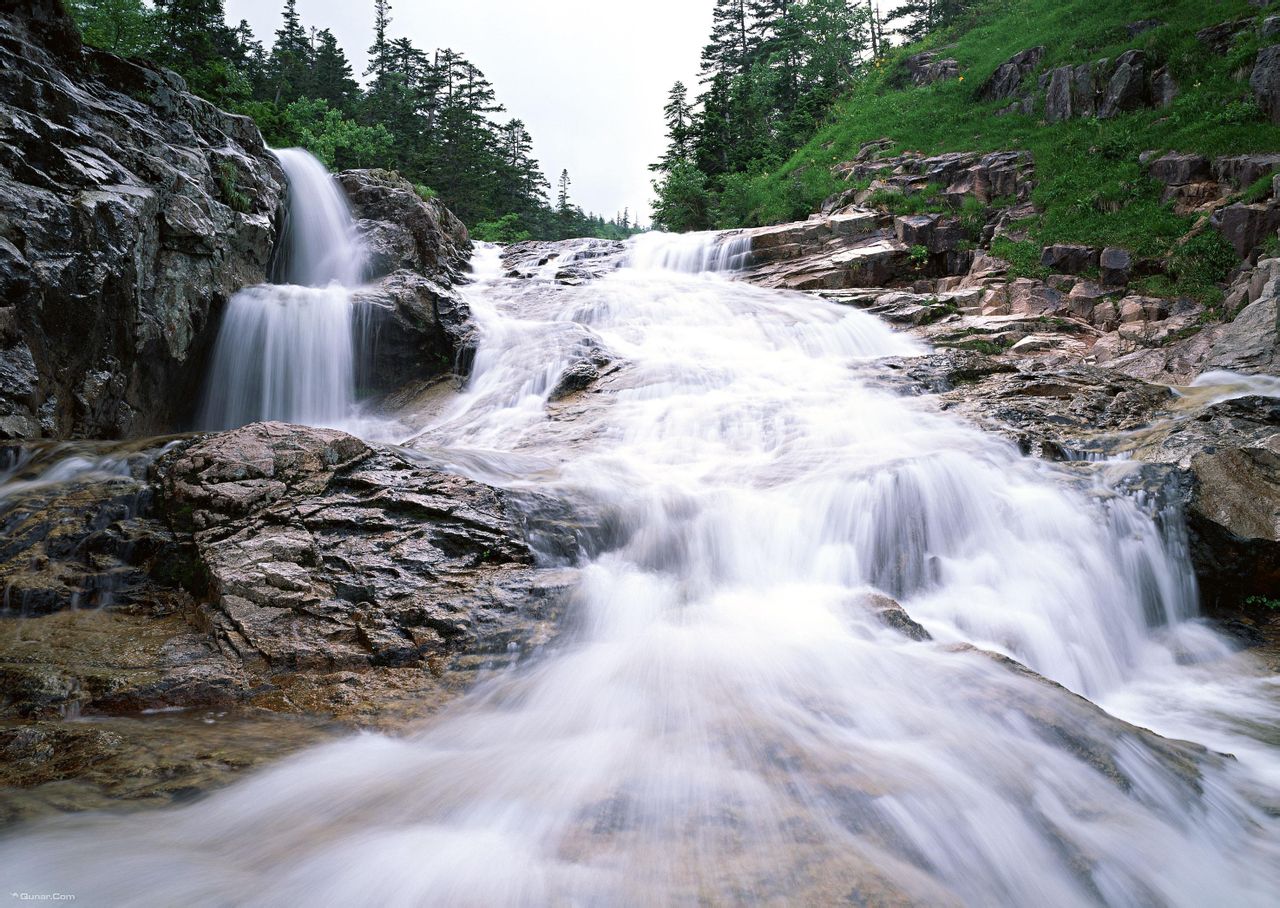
(130, 210)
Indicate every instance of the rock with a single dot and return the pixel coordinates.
(1115, 266)
(1175, 169)
(1271, 27)
(1164, 88)
(927, 68)
(916, 229)
(130, 211)
(413, 328)
(1243, 170)
(1219, 38)
(875, 262)
(402, 230)
(1127, 89)
(891, 614)
(1069, 259)
(1006, 81)
(1231, 452)
(1142, 25)
(323, 553)
(1246, 226)
(1058, 100)
(1265, 81)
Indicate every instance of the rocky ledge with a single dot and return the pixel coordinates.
(274, 571)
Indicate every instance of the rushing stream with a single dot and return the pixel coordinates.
(728, 717)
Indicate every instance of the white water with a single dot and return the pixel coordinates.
(725, 721)
(285, 351)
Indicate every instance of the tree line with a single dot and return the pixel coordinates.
(432, 116)
(770, 73)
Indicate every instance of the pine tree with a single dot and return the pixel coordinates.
(380, 50)
(331, 76)
(289, 65)
(562, 198)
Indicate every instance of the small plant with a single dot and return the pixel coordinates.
(1265, 602)
(425, 192)
(919, 256)
(228, 176)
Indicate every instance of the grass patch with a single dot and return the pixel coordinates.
(1090, 186)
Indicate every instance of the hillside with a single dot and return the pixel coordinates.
(1191, 93)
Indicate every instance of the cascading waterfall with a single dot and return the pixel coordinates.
(691, 253)
(726, 719)
(285, 349)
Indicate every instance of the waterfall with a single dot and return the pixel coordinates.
(727, 718)
(691, 253)
(285, 350)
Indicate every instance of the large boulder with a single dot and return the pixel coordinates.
(324, 553)
(415, 324)
(402, 230)
(130, 211)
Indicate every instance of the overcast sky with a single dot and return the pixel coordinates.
(588, 77)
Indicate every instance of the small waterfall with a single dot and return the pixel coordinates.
(691, 253)
(318, 242)
(285, 349)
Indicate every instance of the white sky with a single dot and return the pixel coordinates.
(588, 77)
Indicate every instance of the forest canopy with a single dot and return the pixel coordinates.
(431, 115)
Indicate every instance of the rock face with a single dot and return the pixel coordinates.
(414, 323)
(130, 210)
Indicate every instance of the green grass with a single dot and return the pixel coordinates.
(1089, 183)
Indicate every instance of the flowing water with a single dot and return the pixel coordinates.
(285, 349)
(727, 718)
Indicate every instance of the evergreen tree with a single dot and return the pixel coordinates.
(331, 76)
(562, 197)
(289, 65)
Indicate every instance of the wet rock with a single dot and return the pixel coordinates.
(130, 211)
(402, 231)
(565, 261)
(892, 615)
(325, 554)
(875, 262)
(413, 328)
(1006, 81)
(1231, 450)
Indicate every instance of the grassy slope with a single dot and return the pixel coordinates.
(1090, 185)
